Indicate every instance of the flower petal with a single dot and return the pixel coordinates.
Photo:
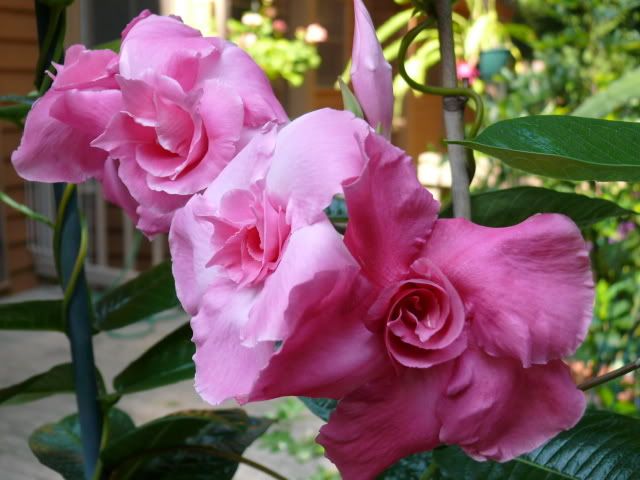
(495, 409)
(371, 73)
(325, 145)
(384, 421)
(329, 351)
(224, 367)
(115, 191)
(390, 213)
(52, 151)
(527, 289)
(308, 250)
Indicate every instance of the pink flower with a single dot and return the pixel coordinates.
(315, 33)
(280, 26)
(190, 104)
(466, 71)
(84, 96)
(371, 73)
(449, 333)
(256, 232)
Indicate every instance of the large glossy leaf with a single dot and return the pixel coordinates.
(321, 407)
(168, 361)
(32, 315)
(567, 147)
(58, 379)
(615, 95)
(603, 445)
(503, 208)
(59, 446)
(194, 445)
(149, 293)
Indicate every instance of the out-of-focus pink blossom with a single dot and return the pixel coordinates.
(316, 33)
(280, 26)
(466, 71)
(447, 329)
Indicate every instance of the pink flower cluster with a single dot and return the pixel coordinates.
(429, 331)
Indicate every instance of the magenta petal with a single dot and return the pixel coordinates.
(224, 367)
(390, 213)
(87, 111)
(496, 409)
(371, 73)
(326, 145)
(115, 191)
(308, 250)
(190, 243)
(151, 40)
(329, 352)
(509, 280)
(52, 151)
(385, 421)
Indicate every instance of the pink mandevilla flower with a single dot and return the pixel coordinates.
(190, 105)
(451, 333)
(257, 232)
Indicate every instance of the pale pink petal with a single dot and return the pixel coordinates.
(224, 367)
(308, 250)
(390, 214)
(238, 70)
(115, 191)
(52, 151)
(509, 279)
(88, 111)
(329, 352)
(385, 421)
(495, 409)
(222, 125)
(190, 244)
(314, 154)
(249, 165)
(87, 69)
(151, 40)
(137, 97)
(371, 73)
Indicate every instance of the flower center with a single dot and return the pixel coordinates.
(425, 319)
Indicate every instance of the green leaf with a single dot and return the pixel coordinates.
(168, 361)
(32, 315)
(149, 293)
(602, 445)
(409, 468)
(349, 100)
(503, 208)
(615, 95)
(113, 45)
(194, 445)
(571, 148)
(58, 379)
(321, 407)
(59, 446)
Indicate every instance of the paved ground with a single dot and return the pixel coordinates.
(23, 354)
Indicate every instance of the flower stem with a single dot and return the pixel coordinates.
(594, 382)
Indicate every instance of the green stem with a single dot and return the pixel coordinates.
(70, 247)
(469, 93)
(607, 377)
(32, 214)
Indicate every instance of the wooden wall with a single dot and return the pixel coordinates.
(18, 54)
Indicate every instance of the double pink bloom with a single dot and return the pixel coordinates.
(428, 331)
(155, 124)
